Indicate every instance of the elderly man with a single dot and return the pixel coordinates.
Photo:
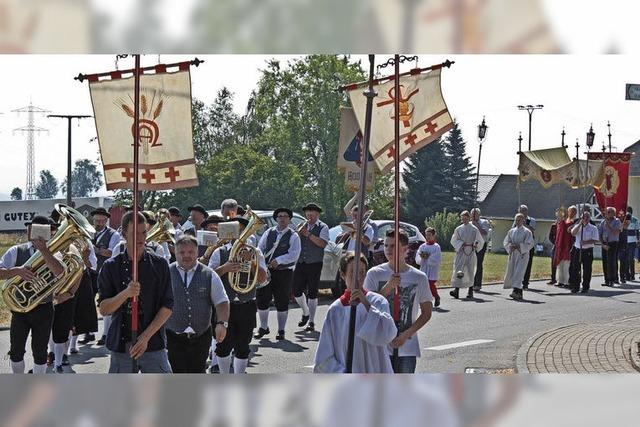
(483, 226)
(609, 229)
(530, 224)
(518, 243)
(586, 236)
(229, 208)
(466, 241)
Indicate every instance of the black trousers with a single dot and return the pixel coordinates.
(38, 321)
(188, 355)
(63, 320)
(631, 260)
(278, 289)
(527, 273)
(580, 259)
(477, 279)
(610, 262)
(242, 321)
(306, 278)
(553, 267)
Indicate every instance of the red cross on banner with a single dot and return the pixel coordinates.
(128, 175)
(411, 139)
(148, 176)
(431, 128)
(392, 152)
(172, 174)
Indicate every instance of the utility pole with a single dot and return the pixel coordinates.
(30, 129)
(69, 118)
(530, 109)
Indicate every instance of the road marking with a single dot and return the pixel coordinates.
(458, 344)
(310, 366)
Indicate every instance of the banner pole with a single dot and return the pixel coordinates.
(136, 162)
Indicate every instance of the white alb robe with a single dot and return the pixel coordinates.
(518, 258)
(374, 329)
(466, 240)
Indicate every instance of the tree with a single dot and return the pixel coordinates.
(47, 186)
(16, 194)
(425, 180)
(459, 172)
(214, 126)
(86, 179)
(445, 223)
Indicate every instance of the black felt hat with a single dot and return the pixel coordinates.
(286, 210)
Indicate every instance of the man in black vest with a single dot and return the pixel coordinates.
(313, 238)
(281, 246)
(197, 290)
(197, 216)
(37, 321)
(104, 241)
(242, 312)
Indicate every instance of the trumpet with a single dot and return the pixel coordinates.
(302, 225)
(342, 238)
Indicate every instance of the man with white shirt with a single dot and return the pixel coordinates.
(530, 224)
(586, 235)
(411, 305)
(367, 235)
(104, 242)
(281, 248)
(306, 277)
(197, 290)
(36, 322)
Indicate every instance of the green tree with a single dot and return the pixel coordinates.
(16, 194)
(47, 186)
(86, 179)
(214, 126)
(459, 172)
(425, 184)
(445, 223)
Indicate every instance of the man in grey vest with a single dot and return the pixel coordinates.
(242, 311)
(197, 290)
(314, 236)
(104, 241)
(37, 321)
(281, 246)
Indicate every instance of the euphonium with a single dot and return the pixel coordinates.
(23, 296)
(204, 259)
(245, 280)
(162, 231)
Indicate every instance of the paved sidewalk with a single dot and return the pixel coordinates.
(582, 348)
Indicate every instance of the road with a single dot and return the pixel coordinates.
(482, 333)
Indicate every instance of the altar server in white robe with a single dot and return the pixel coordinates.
(374, 327)
(518, 243)
(466, 241)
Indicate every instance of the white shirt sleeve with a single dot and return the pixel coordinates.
(263, 241)
(114, 240)
(293, 253)
(261, 261)
(218, 294)
(418, 252)
(370, 282)
(324, 233)
(368, 231)
(93, 260)
(423, 293)
(167, 253)
(378, 327)
(326, 361)
(9, 258)
(214, 261)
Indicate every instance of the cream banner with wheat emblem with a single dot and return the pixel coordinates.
(166, 141)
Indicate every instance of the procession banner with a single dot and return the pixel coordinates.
(350, 152)
(615, 189)
(166, 141)
(424, 116)
(554, 166)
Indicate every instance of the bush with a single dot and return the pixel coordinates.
(445, 223)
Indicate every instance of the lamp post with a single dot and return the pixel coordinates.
(590, 138)
(563, 135)
(520, 143)
(482, 134)
(609, 135)
(530, 109)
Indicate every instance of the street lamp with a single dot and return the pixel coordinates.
(482, 134)
(563, 134)
(591, 136)
(519, 143)
(530, 109)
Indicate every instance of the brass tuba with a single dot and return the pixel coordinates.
(23, 296)
(245, 280)
(163, 231)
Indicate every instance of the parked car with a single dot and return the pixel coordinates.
(329, 277)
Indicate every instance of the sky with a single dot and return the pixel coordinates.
(576, 90)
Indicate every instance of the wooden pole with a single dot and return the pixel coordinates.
(396, 223)
(136, 161)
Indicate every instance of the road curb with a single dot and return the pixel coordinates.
(635, 356)
(521, 355)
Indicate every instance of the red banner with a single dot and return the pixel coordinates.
(615, 189)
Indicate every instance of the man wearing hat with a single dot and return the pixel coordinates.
(281, 246)
(197, 215)
(37, 321)
(175, 216)
(104, 241)
(314, 236)
(242, 310)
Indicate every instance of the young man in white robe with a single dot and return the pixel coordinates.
(518, 242)
(466, 241)
(374, 327)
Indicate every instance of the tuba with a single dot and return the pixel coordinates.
(245, 280)
(163, 231)
(23, 296)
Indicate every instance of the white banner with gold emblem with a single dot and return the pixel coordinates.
(424, 116)
(166, 142)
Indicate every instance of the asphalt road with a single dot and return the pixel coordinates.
(482, 333)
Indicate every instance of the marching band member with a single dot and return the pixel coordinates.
(197, 290)
(104, 241)
(466, 241)
(153, 288)
(37, 321)
(367, 235)
(242, 311)
(229, 208)
(374, 328)
(281, 246)
(518, 242)
(197, 214)
(314, 236)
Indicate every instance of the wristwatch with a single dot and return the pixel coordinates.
(225, 324)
